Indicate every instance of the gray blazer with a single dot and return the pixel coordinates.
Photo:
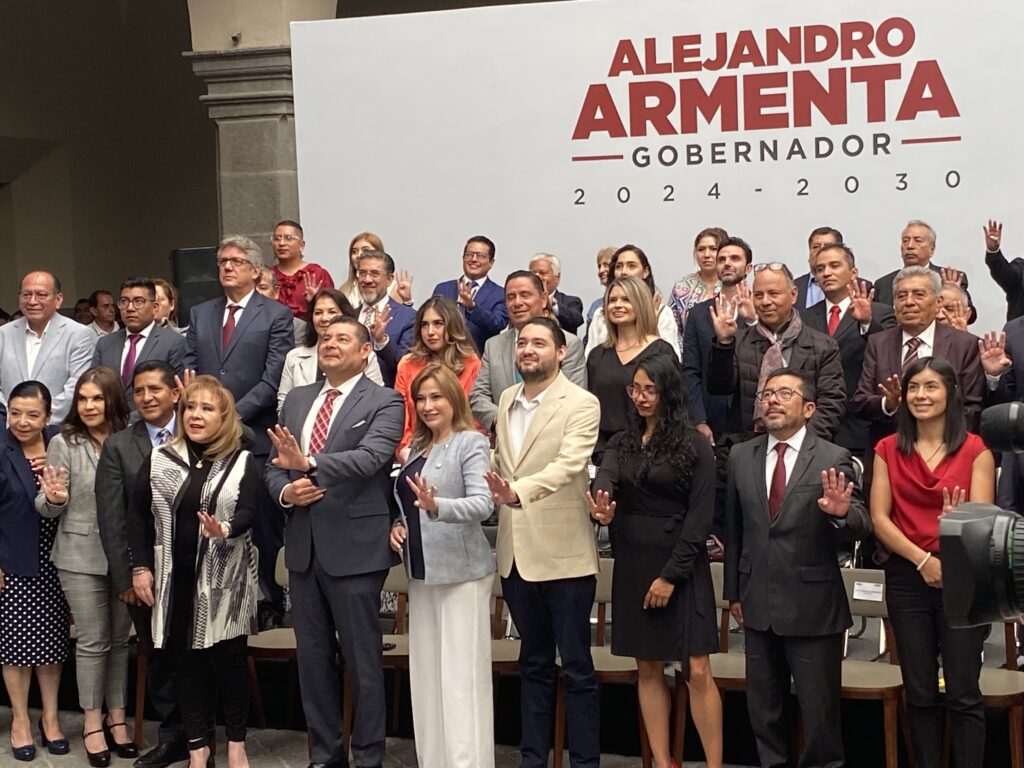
(78, 547)
(162, 344)
(454, 546)
(498, 372)
(65, 353)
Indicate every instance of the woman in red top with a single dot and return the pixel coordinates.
(929, 466)
(441, 337)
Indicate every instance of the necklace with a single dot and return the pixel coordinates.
(191, 455)
(934, 453)
(626, 349)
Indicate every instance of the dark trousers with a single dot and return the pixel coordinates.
(159, 678)
(268, 536)
(922, 634)
(326, 608)
(205, 675)
(815, 665)
(550, 616)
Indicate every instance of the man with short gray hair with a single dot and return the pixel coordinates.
(568, 309)
(917, 246)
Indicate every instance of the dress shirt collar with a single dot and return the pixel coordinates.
(927, 337)
(344, 389)
(843, 306)
(377, 305)
(155, 430)
(29, 332)
(795, 442)
(144, 333)
(243, 302)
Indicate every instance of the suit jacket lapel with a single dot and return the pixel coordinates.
(896, 353)
(346, 408)
(507, 359)
(846, 324)
(119, 342)
(252, 309)
(152, 345)
(217, 326)
(760, 462)
(140, 439)
(941, 342)
(20, 335)
(54, 331)
(21, 467)
(301, 412)
(803, 461)
(546, 411)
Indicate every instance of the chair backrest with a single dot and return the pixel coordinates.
(718, 587)
(872, 609)
(603, 597)
(281, 570)
(398, 581)
(498, 616)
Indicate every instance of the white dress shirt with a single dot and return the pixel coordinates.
(144, 333)
(378, 306)
(843, 306)
(520, 416)
(795, 443)
(243, 303)
(33, 342)
(926, 349)
(344, 389)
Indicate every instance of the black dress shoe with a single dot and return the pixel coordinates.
(336, 764)
(162, 755)
(269, 617)
(125, 749)
(96, 759)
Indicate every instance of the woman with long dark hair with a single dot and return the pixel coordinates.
(929, 466)
(701, 285)
(656, 489)
(33, 612)
(99, 409)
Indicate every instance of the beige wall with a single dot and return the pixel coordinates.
(106, 154)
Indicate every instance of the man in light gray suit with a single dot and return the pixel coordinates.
(44, 345)
(525, 297)
(141, 339)
(330, 472)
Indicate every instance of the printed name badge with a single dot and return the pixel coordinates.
(868, 590)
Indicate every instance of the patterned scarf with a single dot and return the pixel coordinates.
(773, 357)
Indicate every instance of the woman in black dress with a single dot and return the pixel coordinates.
(33, 612)
(656, 488)
(632, 337)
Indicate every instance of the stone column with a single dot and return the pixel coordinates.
(249, 95)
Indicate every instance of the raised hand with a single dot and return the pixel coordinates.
(860, 301)
(744, 301)
(466, 295)
(302, 492)
(55, 484)
(501, 490)
(424, 494)
(992, 349)
(182, 382)
(289, 454)
(891, 392)
(951, 276)
(993, 235)
(379, 324)
(956, 316)
(951, 501)
(211, 527)
(398, 537)
(656, 298)
(602, 508)
(835, 493)
(310, 285)
(659, 593)
(723, 318)
(402, 289)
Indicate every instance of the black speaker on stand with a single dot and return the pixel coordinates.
(194, 274)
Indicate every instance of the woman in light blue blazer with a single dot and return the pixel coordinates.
(98, 409)
(443, 499)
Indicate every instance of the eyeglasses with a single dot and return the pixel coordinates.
(138, 302)
(234, 261)
(374, 274)
(37, 295)
(774, 266)
(470, 255)
(783, 395)
(284, 238)
(636, 390)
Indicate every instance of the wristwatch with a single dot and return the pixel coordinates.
(312, 466)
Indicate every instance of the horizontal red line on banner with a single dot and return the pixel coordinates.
(584, 158)
(930, 140)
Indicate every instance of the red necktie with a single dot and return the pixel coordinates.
(911, 356)
(129, 360)
(833, 319)
(323, 421)
(778, 489)
(229, 327)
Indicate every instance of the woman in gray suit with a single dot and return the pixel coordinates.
(443, 498)
(98, 409)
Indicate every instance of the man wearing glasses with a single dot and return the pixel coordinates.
(43, 345)
(742, 358)
(141, 338)
(297, 280)
(480, 300)
(391, 324)
(242, 339)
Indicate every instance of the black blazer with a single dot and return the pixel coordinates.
(801, 290)
(884, 292)
(853, 430)
(122, 457)
(19, 520)
(883, 357)
(698, 335)
(1009, 275)
(570, 311)
(352, 522)
(786, 573)
(163, 344)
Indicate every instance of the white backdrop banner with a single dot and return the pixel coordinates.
(566, 127)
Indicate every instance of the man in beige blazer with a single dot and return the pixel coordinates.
(546, 430)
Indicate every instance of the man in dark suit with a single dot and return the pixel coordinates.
(741, 358)
(850, 316)
(917, 246)
(568, 309)
(391, 325)
(141, 339)
(480, 300)
(120, 461)
(888, 352)
(808, 289)
(790, 498)
(330, 472)
(242, 340)
(1009, 275)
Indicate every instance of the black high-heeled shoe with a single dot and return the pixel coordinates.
(24, 754)
(55, 746)
(126, 750)
(96, 759)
